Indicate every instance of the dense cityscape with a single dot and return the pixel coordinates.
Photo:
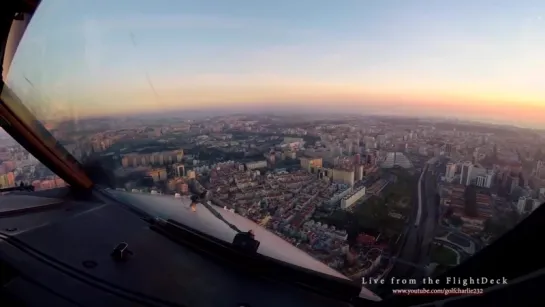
(371, 197)
(271, 153)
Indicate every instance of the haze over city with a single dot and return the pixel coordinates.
(285, 153)
(476, 60)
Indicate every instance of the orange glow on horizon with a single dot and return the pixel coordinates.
(267, 92)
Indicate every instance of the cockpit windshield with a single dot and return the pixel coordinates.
(364, 140)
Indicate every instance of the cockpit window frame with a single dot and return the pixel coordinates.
(27, 130)
(24, 127)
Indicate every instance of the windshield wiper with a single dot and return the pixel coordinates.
(202, 196)
(244, 258)
(255, 263)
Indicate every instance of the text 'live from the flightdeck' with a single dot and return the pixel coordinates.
(447, 281)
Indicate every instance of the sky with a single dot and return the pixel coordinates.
(480, 60)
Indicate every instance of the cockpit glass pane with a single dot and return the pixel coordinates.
(358, 139)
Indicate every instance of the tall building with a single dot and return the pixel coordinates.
(483, 181)
(357, 159)
(450, 171)
(350, 199)
(514, 183)
(448, 149)
(465, 175)
(359, 172)
(308, 163)
(475, 173)
(344, 176)
(540, 167)
(156, 158)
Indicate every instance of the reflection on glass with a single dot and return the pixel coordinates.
(18, 167)
(245, 100)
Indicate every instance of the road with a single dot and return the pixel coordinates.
(419, 234)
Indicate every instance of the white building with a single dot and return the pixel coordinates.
(450, 171)
(256, 164)
(340, 195)
(352, 198)
(540, 166)
(465, 175)
(484, 181)
(474, 173)
(527, 204)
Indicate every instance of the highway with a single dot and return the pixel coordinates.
(419, 234)
(429, 221)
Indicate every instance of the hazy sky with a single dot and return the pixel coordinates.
(480, 59)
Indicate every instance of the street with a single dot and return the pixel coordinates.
(420, 230)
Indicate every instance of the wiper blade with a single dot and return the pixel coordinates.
(219, 216)
(225, 251)
(264, 266)
(201, 195)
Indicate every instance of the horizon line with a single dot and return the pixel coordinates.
(226, 111)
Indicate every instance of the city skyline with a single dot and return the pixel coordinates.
(480, 61)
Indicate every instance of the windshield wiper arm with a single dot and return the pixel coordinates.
(220, 217)
(256, 263)
(201, 195)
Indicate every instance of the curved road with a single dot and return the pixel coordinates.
(478, 244)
